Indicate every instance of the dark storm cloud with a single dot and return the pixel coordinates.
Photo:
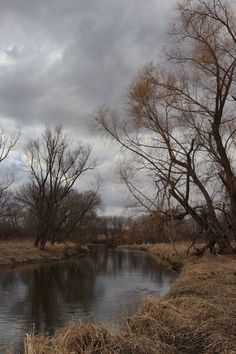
(64, 58)
(60, 60)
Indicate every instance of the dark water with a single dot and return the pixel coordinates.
(99, 287)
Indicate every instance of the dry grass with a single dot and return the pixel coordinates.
(197, 316)
(91, 339)
(18, 252)
(165, 252)
(199, 313)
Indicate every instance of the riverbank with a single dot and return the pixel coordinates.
(23, 252)
(165, 253)
(196, 316)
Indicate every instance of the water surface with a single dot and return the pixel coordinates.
(99, 287)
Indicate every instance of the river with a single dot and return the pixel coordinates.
(99, 287)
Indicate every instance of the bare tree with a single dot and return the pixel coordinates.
(11, 216)
(7, 144)
(181, 126)
(54, 168)
(115, 228)
(7, 215)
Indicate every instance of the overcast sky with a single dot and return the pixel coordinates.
(62, 59)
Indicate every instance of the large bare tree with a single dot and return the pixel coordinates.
(181, 126)
(55, 167)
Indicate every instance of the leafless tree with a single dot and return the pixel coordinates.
(7, 144)
(54, 167)
(7, 207)
(115, 228)
(11, 216)
(181, 126)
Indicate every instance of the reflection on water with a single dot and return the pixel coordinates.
(99, 287)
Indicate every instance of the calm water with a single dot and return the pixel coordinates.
(99, 287)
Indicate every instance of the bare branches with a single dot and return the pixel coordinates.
(54, 166)
(7, 144)
(181, 122)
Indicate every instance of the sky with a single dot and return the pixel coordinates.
(60, 60)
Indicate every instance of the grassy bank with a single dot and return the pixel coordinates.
(198, 315)
(165, 252)
(21, 252)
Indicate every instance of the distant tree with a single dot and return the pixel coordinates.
(111, 228)
(181, 127)
(7, 144)
(11, 216)
(54, 168)
(116, 226)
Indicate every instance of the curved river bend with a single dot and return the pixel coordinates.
(98, 287)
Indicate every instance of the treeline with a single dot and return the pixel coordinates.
(48, 207)
(78, 220)
(74, 218)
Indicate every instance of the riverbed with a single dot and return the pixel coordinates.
(101, 287)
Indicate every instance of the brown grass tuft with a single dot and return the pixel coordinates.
(91, 339)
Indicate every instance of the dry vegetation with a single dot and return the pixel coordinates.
(164, 252)
(197, 316)
(18, 252)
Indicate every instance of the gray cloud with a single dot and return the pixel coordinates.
(60, 60)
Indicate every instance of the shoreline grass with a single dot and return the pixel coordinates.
(165, 253)
(23, 252)
(198, 315)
